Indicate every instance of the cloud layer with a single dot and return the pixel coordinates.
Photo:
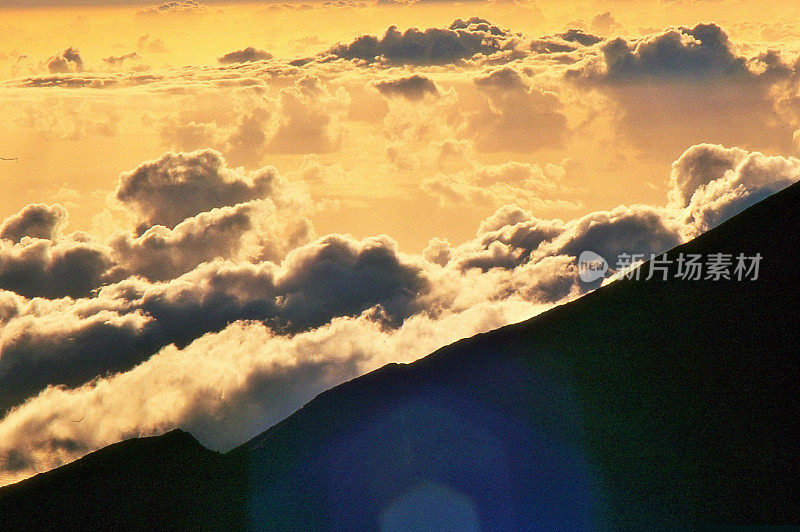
(229, 345)
(203, 295)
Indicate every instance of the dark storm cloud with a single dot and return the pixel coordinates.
(244, 56)
(413, 87)
(462, 40)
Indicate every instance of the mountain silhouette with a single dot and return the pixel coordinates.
(642, 404)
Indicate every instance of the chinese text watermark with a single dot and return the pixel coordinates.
(683, 266)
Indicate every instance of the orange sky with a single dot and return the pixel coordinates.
(277, 187)
(64, 157)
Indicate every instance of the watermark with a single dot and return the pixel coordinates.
(591, 266)
(684, 266)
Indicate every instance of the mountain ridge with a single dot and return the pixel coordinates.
(643, 403)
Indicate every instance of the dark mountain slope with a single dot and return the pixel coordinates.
(644, 403)
(163, 482)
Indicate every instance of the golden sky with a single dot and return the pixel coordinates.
(73, 142)
(218, 210)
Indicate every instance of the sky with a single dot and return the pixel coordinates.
(213, 211)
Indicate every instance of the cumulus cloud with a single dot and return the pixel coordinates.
(710, 183)
(180, 185)
(636, 229)
(67, 61)
(246, 144)
(516, 116)
(172, 7)
(508, 183)
(161, 253)
(703, 52)
(693, 80)
(69, 342)
(38, 261)
(307, 118)
(605, 24)
(37, 220)
(71, 266)
(566, 42)
(245, 56)
(413, 87)
(513, 237)
(460, 41)
(225, 387)
(231, 346)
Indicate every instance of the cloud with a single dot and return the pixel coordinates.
(308, 118)
(515, 116)
(180, 185)
(703, 52)
(172, 7)
(692, 80)
(566, 42)
(511, 182)
(513, 237)
(161, 253)
(579, 36)
(248, 142)
(68, 61)
(434, 46)
(233, 344)
(244, 56)
(413, 87)
(605, 24)
(119, 60)
(437, 251)
(635, 229)
(65, 118)
(72, 266)
(37, 220)
(153, 45)
(711, 183)
(70, 342)
(225, 387)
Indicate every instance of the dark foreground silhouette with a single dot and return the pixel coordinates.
(643, 404)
